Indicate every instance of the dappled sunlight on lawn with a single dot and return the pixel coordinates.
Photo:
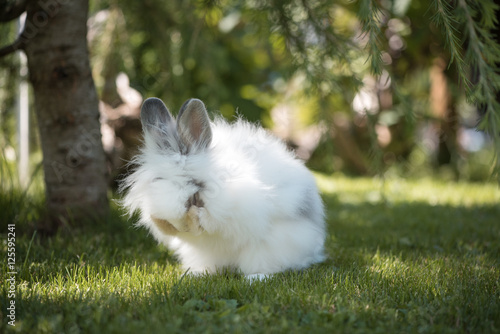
(402, 256)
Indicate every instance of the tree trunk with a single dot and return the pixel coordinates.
(444, 109)
(66, 107)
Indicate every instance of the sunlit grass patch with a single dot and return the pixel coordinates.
(430, 191)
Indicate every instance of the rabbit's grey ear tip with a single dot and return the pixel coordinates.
(192, 103)
(196, 104)
(154, 105)
(193, 100)
(152, 102)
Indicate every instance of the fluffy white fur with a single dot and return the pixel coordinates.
(257, 208)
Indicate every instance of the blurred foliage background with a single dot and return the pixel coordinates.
(365, 88)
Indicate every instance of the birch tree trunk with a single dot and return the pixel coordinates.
(66, 106)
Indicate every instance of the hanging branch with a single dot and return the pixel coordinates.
(8, 49)
(443, 17)
(477, 54)
(370, 16)
(12, 10)
(483, 53)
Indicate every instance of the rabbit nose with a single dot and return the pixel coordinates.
(195, 200)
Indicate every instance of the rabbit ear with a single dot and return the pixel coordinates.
(193, 125)
(154, 114)
(157, 121)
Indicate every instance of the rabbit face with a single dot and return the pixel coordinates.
(182, 214)
(171, 197)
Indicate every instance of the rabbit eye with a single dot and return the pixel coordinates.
(157, 179)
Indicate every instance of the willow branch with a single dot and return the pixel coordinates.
(9, 12)
(8, 49)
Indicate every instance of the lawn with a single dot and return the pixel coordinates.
(404, 256)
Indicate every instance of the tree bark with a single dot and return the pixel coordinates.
(444, 109)
(66, 106)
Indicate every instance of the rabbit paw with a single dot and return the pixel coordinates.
(164, 226)
(190, 223)
(193, 220)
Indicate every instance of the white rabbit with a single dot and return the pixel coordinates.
(224, 195)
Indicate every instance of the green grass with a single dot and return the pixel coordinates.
(403, 257)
